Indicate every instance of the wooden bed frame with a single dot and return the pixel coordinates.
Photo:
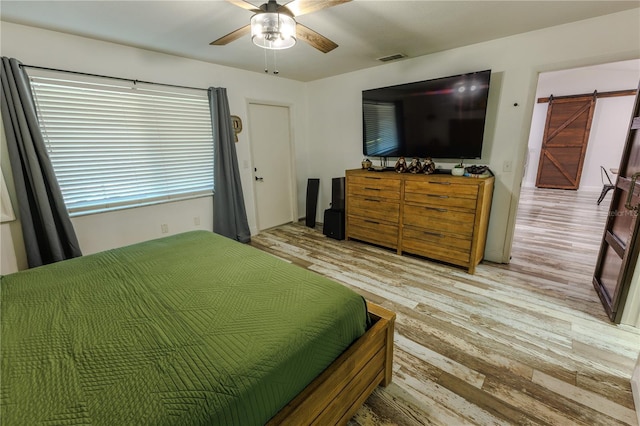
(336, 394)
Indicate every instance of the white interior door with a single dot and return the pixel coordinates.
(269, 130)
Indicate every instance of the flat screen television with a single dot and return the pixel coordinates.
(439, 118)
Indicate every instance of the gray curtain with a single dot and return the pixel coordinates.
(229, 214)
(48, 233)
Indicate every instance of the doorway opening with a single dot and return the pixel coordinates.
(558, 231)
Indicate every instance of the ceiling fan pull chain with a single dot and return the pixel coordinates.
(266, 67)
(275, 64)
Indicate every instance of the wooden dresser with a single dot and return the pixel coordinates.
(441, 217)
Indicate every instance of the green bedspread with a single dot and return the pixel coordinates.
(186, 330)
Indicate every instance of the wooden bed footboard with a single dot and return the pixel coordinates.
(336, 394)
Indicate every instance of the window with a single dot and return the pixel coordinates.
(115, 144)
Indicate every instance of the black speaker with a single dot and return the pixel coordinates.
(313, 186)
(337, 193)
(334, 224)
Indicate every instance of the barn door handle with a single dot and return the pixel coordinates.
(630, 195)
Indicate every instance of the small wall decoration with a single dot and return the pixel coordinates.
(237, 125)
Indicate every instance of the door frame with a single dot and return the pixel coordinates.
(614, 304)
(292, 163)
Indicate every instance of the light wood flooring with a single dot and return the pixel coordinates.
(524, 343)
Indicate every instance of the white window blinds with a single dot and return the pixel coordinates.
(115, 144)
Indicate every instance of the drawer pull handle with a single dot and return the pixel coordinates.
(372, 221)
(437, 196)
(372, 189)
(433, 234)
(437, 209)
(375, 178)
(440, 183)
(372, 200)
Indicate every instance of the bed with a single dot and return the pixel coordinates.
(189, 329)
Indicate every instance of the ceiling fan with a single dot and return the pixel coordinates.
(274, 27)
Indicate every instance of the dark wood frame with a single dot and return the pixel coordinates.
(625, 205)
(335, 396)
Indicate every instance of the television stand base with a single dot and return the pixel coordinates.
(442, 171)
(381, 169)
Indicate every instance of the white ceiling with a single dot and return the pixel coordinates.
(364, 29)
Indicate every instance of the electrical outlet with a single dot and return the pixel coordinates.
(507, 166)
(196, 221)
(164, 228)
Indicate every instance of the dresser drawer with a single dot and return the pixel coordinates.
(441, 187)
(374, 208)
(373, 231)
(374, 187)
(436, 245)
(440, 200)
(439, 219)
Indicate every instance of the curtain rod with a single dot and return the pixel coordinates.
(108, 76)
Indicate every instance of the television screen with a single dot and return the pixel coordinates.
(440, 118)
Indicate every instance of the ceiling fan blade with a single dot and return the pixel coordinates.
(302, 7)
(232, 36)
(245, 5)
(316, 40)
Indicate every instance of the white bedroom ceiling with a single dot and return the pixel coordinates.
(364, 29)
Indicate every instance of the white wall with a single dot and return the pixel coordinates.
(12, 254)
(610, 119)
(103, 231)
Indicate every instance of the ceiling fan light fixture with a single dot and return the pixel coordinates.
(273, 30)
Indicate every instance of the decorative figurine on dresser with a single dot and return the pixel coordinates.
(414, 166)
(401, 165)
(429, 167)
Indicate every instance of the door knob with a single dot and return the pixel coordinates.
(259, 179)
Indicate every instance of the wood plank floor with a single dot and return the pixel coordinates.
(524, 343)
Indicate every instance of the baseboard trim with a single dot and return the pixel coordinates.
(635, 387)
